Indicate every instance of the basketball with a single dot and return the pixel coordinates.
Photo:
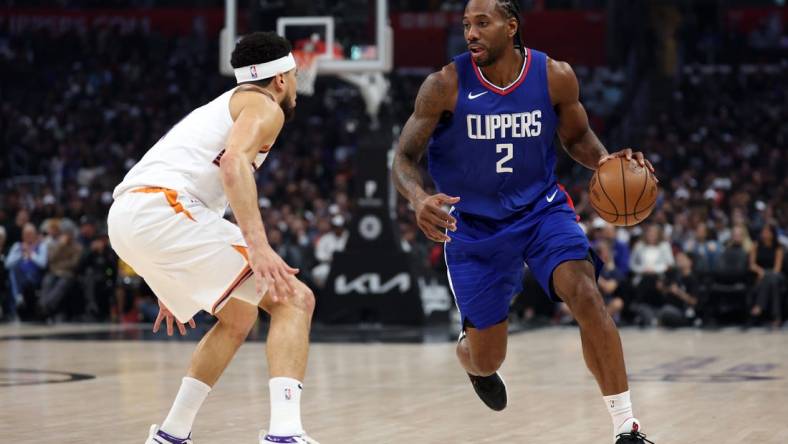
(623, 192)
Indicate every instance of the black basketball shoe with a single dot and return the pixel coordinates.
(491, 390)
(633, 437)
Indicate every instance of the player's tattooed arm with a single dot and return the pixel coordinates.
(436, 96)
(575, 134)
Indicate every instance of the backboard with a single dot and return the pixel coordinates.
(353, 36)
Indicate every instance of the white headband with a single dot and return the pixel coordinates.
(265, 70)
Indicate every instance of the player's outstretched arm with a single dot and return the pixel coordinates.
(576, 135)
(437, 95)
(258, 121)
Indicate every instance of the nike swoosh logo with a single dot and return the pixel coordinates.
(552, 196)
(472, 96)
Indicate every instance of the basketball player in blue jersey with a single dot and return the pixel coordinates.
(488, 121)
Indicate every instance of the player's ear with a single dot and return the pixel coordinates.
(514, 26)
(281, 81)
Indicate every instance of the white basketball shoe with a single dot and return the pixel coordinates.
(298, 439)
(156, 436)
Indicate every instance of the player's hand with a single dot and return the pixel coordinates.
(432, 219)
(166, 314)
(272, 271)
(628, 154)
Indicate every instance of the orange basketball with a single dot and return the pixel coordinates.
(623, 192)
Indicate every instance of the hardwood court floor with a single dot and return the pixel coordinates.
(688, 387)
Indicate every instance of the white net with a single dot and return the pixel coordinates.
(307, 71)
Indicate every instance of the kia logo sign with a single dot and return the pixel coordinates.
(370, 283)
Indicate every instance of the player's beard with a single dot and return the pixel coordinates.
(288, 109)
(493, 55)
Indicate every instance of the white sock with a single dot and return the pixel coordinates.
(620, 408)
(285, 407)
(187, 403)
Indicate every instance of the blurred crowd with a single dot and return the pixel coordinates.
(86, 106)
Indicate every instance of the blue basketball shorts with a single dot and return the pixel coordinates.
(486, 258)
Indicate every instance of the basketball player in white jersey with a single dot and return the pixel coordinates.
(166, 222)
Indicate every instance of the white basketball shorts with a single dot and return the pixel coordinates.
(191, 257)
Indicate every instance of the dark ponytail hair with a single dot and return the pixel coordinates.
(511, 9)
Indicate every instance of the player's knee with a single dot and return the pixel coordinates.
(584, 300)
(488, 363)
(305, 299)
(488, 360)
(302, 300)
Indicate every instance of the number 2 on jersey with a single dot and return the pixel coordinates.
(499, 166)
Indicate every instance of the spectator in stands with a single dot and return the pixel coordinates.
(682, 294)
(290, 254)
(129, 296)
(652, 255)
(328, 244)
(300, 248)
(730, 281)
(610, 280)
(733, 262)
(50, 230)
(766, 261)
(15, 230)
(620, 250)
(651, 258)
(746, 240)
(98, 272)
(87, 231)
(63, 259)
(702, 249)
(26, 263)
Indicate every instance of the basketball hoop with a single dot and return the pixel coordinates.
(307, 52)
(307, 70)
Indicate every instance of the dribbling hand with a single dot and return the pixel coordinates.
(629, 155)
(432, 219)
(272, 271)
(165, 313)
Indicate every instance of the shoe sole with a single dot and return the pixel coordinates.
(505, 391)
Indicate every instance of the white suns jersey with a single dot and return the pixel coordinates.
(187, 158)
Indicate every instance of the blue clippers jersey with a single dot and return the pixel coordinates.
(496, 152)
